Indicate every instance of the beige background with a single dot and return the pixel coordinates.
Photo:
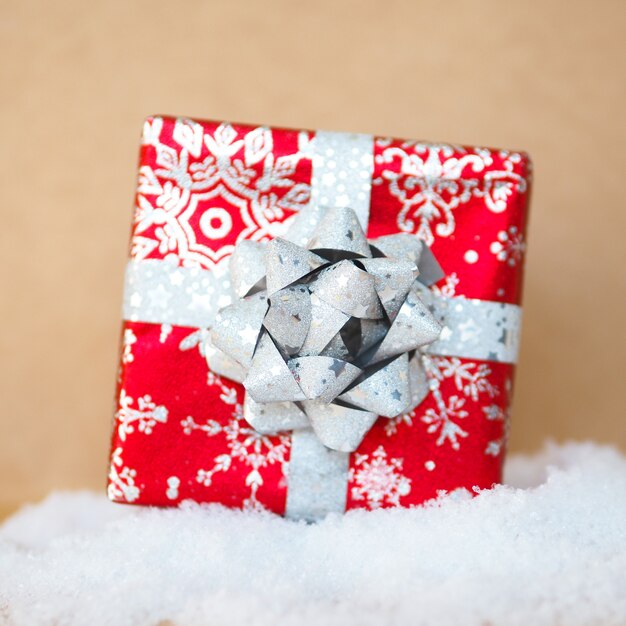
(77, 78)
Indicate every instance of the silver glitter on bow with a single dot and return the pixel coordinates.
(328, 336)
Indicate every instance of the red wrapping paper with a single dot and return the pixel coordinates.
(179, 433)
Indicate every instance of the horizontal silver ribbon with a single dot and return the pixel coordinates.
(159, 292)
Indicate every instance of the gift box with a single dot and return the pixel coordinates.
(226, 216)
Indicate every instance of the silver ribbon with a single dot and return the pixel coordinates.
(159, 292)
(289, 344)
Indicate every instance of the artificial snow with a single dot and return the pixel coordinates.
(549, 548)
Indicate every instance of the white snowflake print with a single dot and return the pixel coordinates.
(442, 421)
(129, 339)
(228, 394)
(431, 184)
(145, 417)
(391, 424)
(378, 480)
(448, 289)
(470, 378)
(471, 381)
(173, 483)
(509, 246)
(493, 413)
(494, 448)
(152, 128)
(245, 445)
(166, 330)
(122, 485)
(500, 185)
(196, 339)
(190, 186)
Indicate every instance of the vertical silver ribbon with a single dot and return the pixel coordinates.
(343, 163)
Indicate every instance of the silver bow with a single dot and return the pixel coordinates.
(329, 335)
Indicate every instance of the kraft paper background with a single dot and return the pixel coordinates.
(77, 79)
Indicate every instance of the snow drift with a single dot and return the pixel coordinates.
(547, 548)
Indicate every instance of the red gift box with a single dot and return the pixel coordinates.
(179, 431)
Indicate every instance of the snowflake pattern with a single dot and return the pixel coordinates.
(509, 246)
(442, 421)
(392, 424)
(173, 483)
(471, 381)
(378, 480)
(197, 339)
(448, 288)
(244, 445)
(166, 330)
(430, 184)
(145, 417)
(494, 413)
(127, 346)
(470, 378)
(240, 169)
(122, 487)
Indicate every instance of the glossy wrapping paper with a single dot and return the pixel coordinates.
(179, 431)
